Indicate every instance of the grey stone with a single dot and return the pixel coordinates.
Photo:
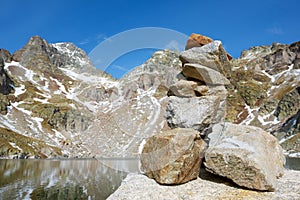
(205, 74)
(211, 55)
(197, 112)
(247, 155)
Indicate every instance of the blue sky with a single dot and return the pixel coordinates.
(238, 24)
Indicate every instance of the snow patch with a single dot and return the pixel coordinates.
(39, 121)
(107, 83)
(285, 139)
(251, 115)
(15, 146)
(43, 101)
(142, 144)
(19, 90)
(16, 104)
(262, 119)
(268, 75)
(294, 155)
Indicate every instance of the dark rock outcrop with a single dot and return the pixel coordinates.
(7, 57)
(6, 84)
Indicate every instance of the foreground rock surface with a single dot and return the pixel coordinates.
(137, 186)
(173, 156)
(247, 155)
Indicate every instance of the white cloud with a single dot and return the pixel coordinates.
(174, 45)
(275, 30)
(93, 39)
(119, 68)
(85, 41)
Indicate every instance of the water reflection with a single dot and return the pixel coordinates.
(292, 163)
(61, 179)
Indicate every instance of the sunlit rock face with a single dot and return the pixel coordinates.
(173, 156)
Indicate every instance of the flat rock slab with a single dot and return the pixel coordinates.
(137, 186)
(205, 74)
(247, 155)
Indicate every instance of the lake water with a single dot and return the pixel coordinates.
(69, 179)
(62, 179)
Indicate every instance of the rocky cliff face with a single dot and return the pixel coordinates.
(46, 102)
(53, 97)
(265, 91)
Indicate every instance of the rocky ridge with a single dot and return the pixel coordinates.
(58, 97)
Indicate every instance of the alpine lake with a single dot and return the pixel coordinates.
(70, 179)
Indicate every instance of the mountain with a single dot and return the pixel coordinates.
(55, 103)
(266, 92)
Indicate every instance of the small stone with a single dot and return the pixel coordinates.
(197, 40)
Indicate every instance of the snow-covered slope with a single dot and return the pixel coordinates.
(59, 98)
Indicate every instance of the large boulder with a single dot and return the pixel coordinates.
(211, 55)
(205, 74)
(247, 155)
(173, 156)
(197, 40)
(197, 112)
